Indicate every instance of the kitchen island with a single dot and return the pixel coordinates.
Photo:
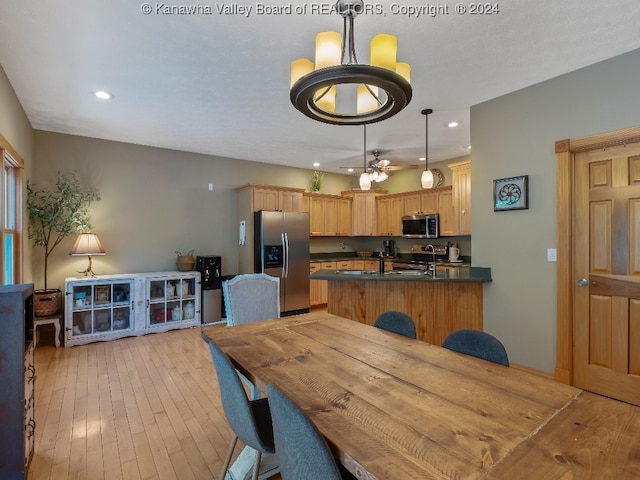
(438, 305)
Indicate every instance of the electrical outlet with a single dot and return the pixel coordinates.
(552, 255)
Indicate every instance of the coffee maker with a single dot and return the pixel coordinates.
(389, 248)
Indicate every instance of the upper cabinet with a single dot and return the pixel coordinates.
(461, 180)
(389, 215)
(363, 214)
(329, 215)
(437, 200)
(271, 198)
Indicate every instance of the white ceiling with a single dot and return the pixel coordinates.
(218, 83)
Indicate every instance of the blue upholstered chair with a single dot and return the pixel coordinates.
(250, 420)
(478, 344)
(302, 452)
(251, 297)
(396, 322)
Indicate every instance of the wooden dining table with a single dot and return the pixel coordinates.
(396, 408)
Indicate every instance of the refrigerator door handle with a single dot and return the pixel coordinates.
(285, 254)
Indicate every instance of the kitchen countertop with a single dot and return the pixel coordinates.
(461, 274)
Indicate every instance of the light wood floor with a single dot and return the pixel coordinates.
(137, 408)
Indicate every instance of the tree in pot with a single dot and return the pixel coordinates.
(54, 215)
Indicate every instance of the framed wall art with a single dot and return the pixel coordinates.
(511, 193)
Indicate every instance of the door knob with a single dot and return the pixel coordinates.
(583, 282)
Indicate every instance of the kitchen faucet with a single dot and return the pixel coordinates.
(433, 263)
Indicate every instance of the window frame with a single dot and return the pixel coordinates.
(13, 163)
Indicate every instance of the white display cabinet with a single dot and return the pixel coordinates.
(108, 307)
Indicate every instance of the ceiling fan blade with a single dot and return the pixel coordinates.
(402, 167)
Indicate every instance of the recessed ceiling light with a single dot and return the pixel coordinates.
(350, 170)
(422, 159)
(467, 147)
(103, 94)
(316, 164)
(453, 124)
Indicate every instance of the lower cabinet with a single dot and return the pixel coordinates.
(108, 307)
(318, 289)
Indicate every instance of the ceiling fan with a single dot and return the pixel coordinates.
(379, 169)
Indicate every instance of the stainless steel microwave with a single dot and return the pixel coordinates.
(421, 226)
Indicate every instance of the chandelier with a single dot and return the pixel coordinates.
(383, 88)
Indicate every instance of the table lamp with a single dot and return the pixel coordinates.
(87, 244)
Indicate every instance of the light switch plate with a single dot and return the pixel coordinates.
(552, 255)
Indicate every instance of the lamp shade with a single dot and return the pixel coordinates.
(365, 181)
(384, 48)
(87, 244)
(299, 68)
(328, 49)
(426, 180)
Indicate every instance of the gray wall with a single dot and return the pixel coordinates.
(155, 202)
(515, 135)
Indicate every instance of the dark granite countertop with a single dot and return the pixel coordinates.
(461, 274)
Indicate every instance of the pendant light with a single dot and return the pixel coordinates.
(365, 178)
(427, 176)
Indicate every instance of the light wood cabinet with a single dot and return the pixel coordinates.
(446, 211)
(344, 217)
(363, 214)
(389, 215)
(318, 289)
(329, 215)
(439, 200)
(270, 198)
(461, 180)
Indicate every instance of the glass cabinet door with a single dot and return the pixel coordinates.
(171, 300)
(100, 308)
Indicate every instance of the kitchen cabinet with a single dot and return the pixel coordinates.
(363, 214)
(437, 200)
(271, 198)
(318, 289)
(329, 215)
(108, 307)
(17, 375)
(389, 215)
(461, 179)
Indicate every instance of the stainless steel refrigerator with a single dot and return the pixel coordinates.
(281, 249)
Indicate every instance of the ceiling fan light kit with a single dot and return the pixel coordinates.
(384, 87)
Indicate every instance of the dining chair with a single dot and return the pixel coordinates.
(251, 297)
(301, 450)
(396, 322)
(478, 344)
(250, 420)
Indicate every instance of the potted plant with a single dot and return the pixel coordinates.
(54, 215)
(316, 181)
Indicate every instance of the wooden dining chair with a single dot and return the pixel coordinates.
(251, 297)
(396, 322)
(302, 451)
(478, 344)
(250, 420)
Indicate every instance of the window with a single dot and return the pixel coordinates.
(11, 239)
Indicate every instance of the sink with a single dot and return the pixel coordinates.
(356, 272)
(405, 272)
